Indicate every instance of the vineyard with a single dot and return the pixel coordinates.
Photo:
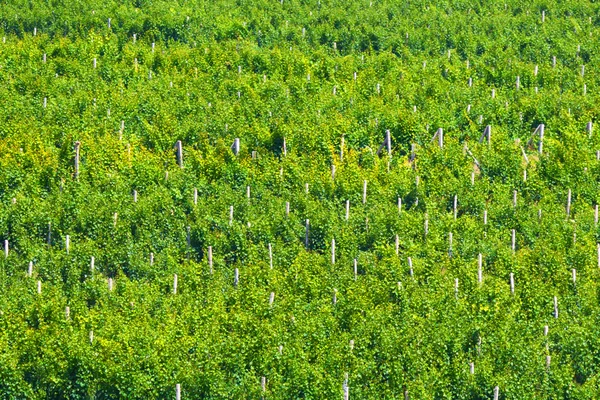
(291, 199)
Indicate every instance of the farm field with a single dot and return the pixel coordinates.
(291, 199)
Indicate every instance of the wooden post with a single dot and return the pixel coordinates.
(548, 358)
(479, 268)
(518, 82)
(426, 225)
(135, 196)
(332, 171)
(541, 133)
(210, 259)
(589, 128)
(332, 251)
(30, 269)
(49, 235)
(364, 197)
(287, 208)
(555, 307)
(513, 240)
(514, 199)
(67, 243)
(236, 146)
(485, 217)
(347, 209)
(512, 283)
(91, 335)
(271, 299)
(195, 196)
(455, 206)
(230, 215)
(471, 368)
(270, 256)
(174, 283)
(569, 204)
(110, 284)
(306, 234)
(67, 313)
(334, 297)
(410, 267)
(450, 244)
(456, 288)
(178, 392)
(399, 204)
(574, 276)
(5, 248)
(77, 146)
(92, 264)
(306, 188)
(39, 287)
(355, 268)
(179, 149)
(151, 259)
(496, 393)
(284, 146)
(236, 277)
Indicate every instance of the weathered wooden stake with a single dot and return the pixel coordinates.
(236, 146)
(67, 312)
(471, 368)
(174, 283)
(514, 201)
(306, 188)
(355, 268)
(589, 128)
(306, 234)
(179, 149)
(548, 358)
(91, 336)
(456, 288)
(210, 258)
(92, 264)
(110, 284)
(30, 269)
(399, 204)
(347, 209)
(195, 196)
(426, 225)
(364, 197)
(77, 146)
(555, 307)
(67, 243)
(574, 276)
(518, 82)
(287, 208)
(178, 392)
(230, 215)
(479, 268)
(332, 251)
(513, 240)
(271, 299)
(455, 211)
(284, 148)
(135, 196)
(5, 248)
(236, 277)
(270, 256)
(334, 297)
(496, 392)
(151, 259)
(512, 283)
(39, 287)
(553, 61)
(332, 171)
(569, 204)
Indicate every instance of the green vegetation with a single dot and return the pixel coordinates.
(310, 89)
